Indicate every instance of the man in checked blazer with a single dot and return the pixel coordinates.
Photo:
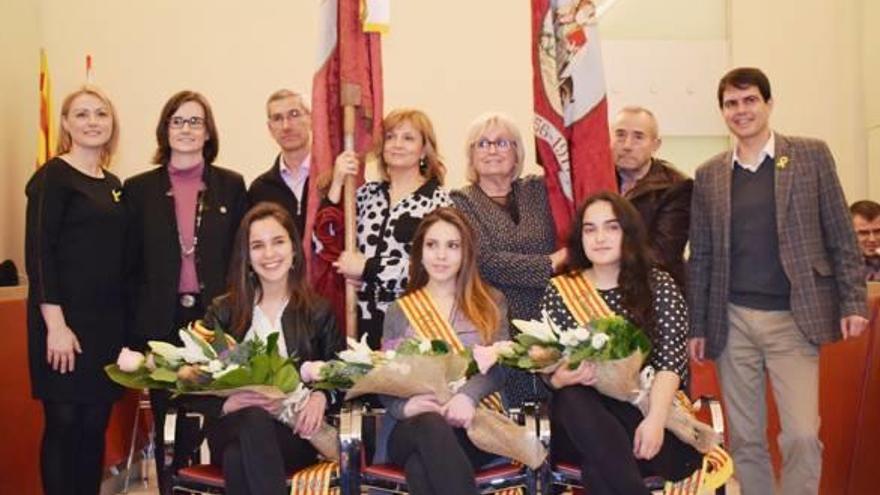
(774, 273)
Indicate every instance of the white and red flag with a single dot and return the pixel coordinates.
(349, 73)
(572, 141)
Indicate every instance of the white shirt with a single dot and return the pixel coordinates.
(262, 327)
(769, 150)
(296, 181)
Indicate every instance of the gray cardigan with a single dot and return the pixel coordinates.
(514, 257)
(478, 386)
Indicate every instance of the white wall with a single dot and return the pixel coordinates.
(453, 58)
(811, 50)
(19, 58)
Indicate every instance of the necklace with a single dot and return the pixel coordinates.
(185, 251)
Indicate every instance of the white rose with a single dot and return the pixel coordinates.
(598, 340)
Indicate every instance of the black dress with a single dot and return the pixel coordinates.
(74, 255)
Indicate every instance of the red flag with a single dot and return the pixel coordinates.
(571, 112)
(350, 72)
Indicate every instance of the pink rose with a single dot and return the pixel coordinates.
(486, 356)
(310, 371)
(129, 361)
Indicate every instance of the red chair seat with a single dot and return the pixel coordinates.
(208, 475)
(495, 472)
(205, 474)
(396, 474)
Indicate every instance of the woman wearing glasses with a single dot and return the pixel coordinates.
(515, 230)
(388, 213)
(182, 217)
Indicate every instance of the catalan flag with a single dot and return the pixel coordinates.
(46, 138)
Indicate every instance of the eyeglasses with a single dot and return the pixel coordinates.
(501, 144)
(178, 122)
(278, 119)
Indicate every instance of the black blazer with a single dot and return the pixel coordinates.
(270, 186)
(153, 246)
(312, 336)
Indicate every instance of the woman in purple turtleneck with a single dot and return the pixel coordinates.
(183, 216)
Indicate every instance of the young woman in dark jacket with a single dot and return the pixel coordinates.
(268, 292)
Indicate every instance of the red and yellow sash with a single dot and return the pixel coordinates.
(581, 298)
(315, 479)
(423, 316)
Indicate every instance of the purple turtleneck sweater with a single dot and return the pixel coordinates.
(185, 187)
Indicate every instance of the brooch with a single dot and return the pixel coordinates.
(782, 162)
(117, 194)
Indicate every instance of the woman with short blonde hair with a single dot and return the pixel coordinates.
(515, 230)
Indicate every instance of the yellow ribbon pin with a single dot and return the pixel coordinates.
(117, 195)
(782, 162)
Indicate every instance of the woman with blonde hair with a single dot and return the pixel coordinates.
(511, 216)
(75, 233)
(388, 212)
(446, 300)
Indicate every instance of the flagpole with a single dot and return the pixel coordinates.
(349, 98)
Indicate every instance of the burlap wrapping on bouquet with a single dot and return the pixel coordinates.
(406, 376)
(619, 378)
(685, 425)
(325, 440)
(496, 433)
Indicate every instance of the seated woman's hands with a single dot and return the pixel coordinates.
(311, 416)
(249, 398)
(648, 437)
(421, 404)
(585, 374)
(346, 164)
(459, 411)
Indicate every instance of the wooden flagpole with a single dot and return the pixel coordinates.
(350, 98)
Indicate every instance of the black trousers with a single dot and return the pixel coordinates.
(257, 452)
(72, 450)
(437, 458)
(596, 432)
(186, 430)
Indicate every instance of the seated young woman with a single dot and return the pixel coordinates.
(612, 442)
(425, 435)
(268, 293)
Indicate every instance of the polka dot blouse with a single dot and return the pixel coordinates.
(669, 351)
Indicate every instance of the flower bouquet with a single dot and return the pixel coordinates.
(210, 362)
(420, 366)
(617, 347)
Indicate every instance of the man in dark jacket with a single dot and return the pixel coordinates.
(661, 193)
(287, 182)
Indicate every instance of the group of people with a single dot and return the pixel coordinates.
(774, 272)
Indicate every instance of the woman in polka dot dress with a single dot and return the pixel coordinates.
(388, 213)
(612, 442)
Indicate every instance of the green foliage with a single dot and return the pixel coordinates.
(139, 379)
(252, 362)
(338, 374)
